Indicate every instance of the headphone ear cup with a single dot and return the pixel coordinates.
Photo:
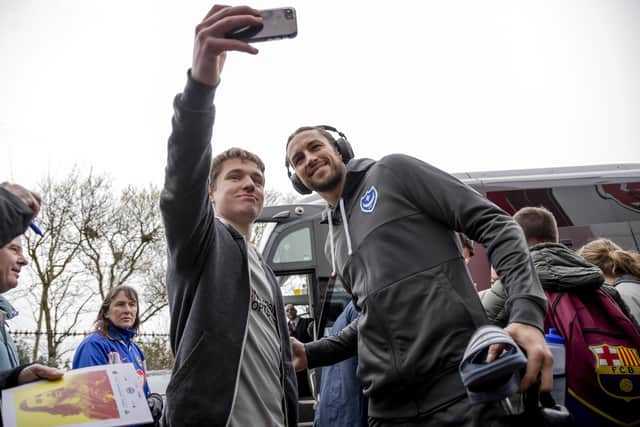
(298, 185)
(345, 150)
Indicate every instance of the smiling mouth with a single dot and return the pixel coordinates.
(313, 171)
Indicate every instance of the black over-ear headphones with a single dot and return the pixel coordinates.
(343, 147)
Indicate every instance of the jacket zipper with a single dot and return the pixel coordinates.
(244, 338)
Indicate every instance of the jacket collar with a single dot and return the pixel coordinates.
(560, 269)
(9, 310)
(119, 334)
(626, 278)
(356, 170)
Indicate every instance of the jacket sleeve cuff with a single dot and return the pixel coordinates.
(12, 378)
(16, 216)
(528, 310)
(313, 349)
(197, 96)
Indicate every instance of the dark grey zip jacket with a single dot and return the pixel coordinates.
(207, 280)
(418, 307)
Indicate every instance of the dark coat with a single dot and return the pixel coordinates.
(301, 331)
(207, 280)
(418, 306)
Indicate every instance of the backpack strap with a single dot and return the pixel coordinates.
(555, 302)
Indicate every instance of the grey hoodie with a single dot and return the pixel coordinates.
(398, 254)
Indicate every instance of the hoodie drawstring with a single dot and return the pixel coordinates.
(346, 232)
(346, 226)
(332, 248)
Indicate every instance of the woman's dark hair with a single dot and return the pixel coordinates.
(102, 323)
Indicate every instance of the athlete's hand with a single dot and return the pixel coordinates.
(539, 357)
(300, 361)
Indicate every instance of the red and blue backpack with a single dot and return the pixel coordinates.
(602, 358)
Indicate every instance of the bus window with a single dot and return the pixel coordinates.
(295, 247)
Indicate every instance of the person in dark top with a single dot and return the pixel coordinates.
(298, 326)
(228, 326)
(393, 244)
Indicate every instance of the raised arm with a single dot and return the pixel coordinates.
(184, 202)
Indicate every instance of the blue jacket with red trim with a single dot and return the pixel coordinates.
(98, 349)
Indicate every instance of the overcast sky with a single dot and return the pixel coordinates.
(465, 85)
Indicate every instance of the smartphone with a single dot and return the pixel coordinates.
(278, 23)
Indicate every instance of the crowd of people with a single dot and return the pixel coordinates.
(392, 358)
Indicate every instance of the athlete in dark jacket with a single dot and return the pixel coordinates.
(395, 249)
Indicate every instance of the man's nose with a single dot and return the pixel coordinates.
(248, 183)
(22, 260)
(310, 160)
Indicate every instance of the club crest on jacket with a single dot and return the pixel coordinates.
(368, 201)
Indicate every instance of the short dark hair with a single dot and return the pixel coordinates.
(231, 153)
(322, 131)
(102, 323)
(538, 223)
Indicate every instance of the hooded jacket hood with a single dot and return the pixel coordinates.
(356, 170)
(561, 269)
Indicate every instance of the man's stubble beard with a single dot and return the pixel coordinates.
(331, 183)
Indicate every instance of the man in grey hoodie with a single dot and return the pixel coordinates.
(228, 327)
(395, 248)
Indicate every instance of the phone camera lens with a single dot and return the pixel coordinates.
(288, 14)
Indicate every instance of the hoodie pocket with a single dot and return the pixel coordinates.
(423, 324)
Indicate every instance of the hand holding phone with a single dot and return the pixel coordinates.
(276, 24)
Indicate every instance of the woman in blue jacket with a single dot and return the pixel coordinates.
(115, 326)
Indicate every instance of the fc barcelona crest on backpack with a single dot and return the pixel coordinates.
(603, 359)
(618, 371)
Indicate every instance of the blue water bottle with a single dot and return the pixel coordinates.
(556, 345)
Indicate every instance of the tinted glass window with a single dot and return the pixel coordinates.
(295, 247)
